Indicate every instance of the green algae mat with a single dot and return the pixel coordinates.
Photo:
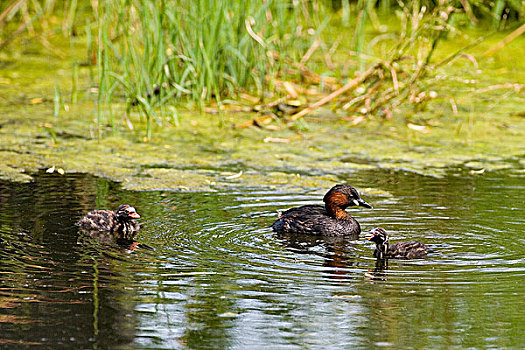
(477, 122)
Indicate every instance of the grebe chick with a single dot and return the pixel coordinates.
(401, 250)
(330, 220)
(119, 224)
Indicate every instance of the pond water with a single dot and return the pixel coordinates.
(218, 278)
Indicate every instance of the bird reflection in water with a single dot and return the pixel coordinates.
(338, 252)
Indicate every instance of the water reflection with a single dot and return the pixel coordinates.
(338, 253)
(55, 287)
(379, 272)
(218, 277)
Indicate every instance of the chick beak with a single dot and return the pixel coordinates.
(369, 236)
(134, 215)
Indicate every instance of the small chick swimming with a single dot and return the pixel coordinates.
(330, 220)
(401, 250)
(119, 224)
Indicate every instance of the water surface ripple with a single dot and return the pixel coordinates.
(217, 276)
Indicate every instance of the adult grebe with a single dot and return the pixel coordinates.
(330, 220)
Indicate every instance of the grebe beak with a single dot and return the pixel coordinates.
(369, 236)
(362, 203)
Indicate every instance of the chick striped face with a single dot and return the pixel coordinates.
(377, 235)
(127, 211)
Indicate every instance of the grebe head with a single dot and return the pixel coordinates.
(344, 196)
(378, 235)
(127, 212)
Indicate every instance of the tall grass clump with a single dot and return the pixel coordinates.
(156, 53)
(150, 58)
